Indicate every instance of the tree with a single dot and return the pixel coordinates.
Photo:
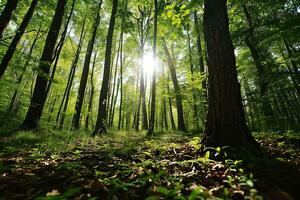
(180, 119)
(89, 116)
(19, 33)
(100, 126)
(66, 96)
(153, 86)
(20, 78)
(226, 123)
(6, 15)
(37, 102)
(85, 71)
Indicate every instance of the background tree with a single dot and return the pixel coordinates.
(100, 126)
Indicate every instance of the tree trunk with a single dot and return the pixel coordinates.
(85, 72)
(291, 57)
(6, 15)
(226, 123)
(89, 116)
(121, 80)
(39, 95)
(153, 86)
(113, 97)
(262, 73)
(59, 47)
(19, 33)
(199, 51)
(196, 120)
(170, 106)
(19, 81)
(143, 93)
(52, 108)
(102, 112)
(181, 124)
(65, 100)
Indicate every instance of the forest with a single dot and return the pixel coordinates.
(149, 99)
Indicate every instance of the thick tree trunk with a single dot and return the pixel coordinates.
(226, 123)
(85, 71)
(100, 126)
(39, 95)
(181, 124)
(19, 33)
(6, 15)
(59, 47)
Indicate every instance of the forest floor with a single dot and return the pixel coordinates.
(72, 165)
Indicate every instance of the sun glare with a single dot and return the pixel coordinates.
(148, 64)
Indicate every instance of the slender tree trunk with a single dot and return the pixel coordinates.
(181, 124)
(19, 81)
(291, 57)
(164, 101)
(64, 102)
(226, 123)
(170, 106)
(100, 126)
(113, 98)
(89, 116)
(121, 80)
(39, 95)
(199, 51)
(250, 41)
(196, 120)
(85, 71)
(143, 93)
(292, 75)
(153, 86)
(52, 108)
(19, 33)
(6, 15)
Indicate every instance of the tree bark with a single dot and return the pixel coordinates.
(85, 72)
(19, 33)
(181, 124)
(39, 95)
(226, 123)
(6, 15)
(100, 126)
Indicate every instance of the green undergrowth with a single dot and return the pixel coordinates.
(130, 165)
